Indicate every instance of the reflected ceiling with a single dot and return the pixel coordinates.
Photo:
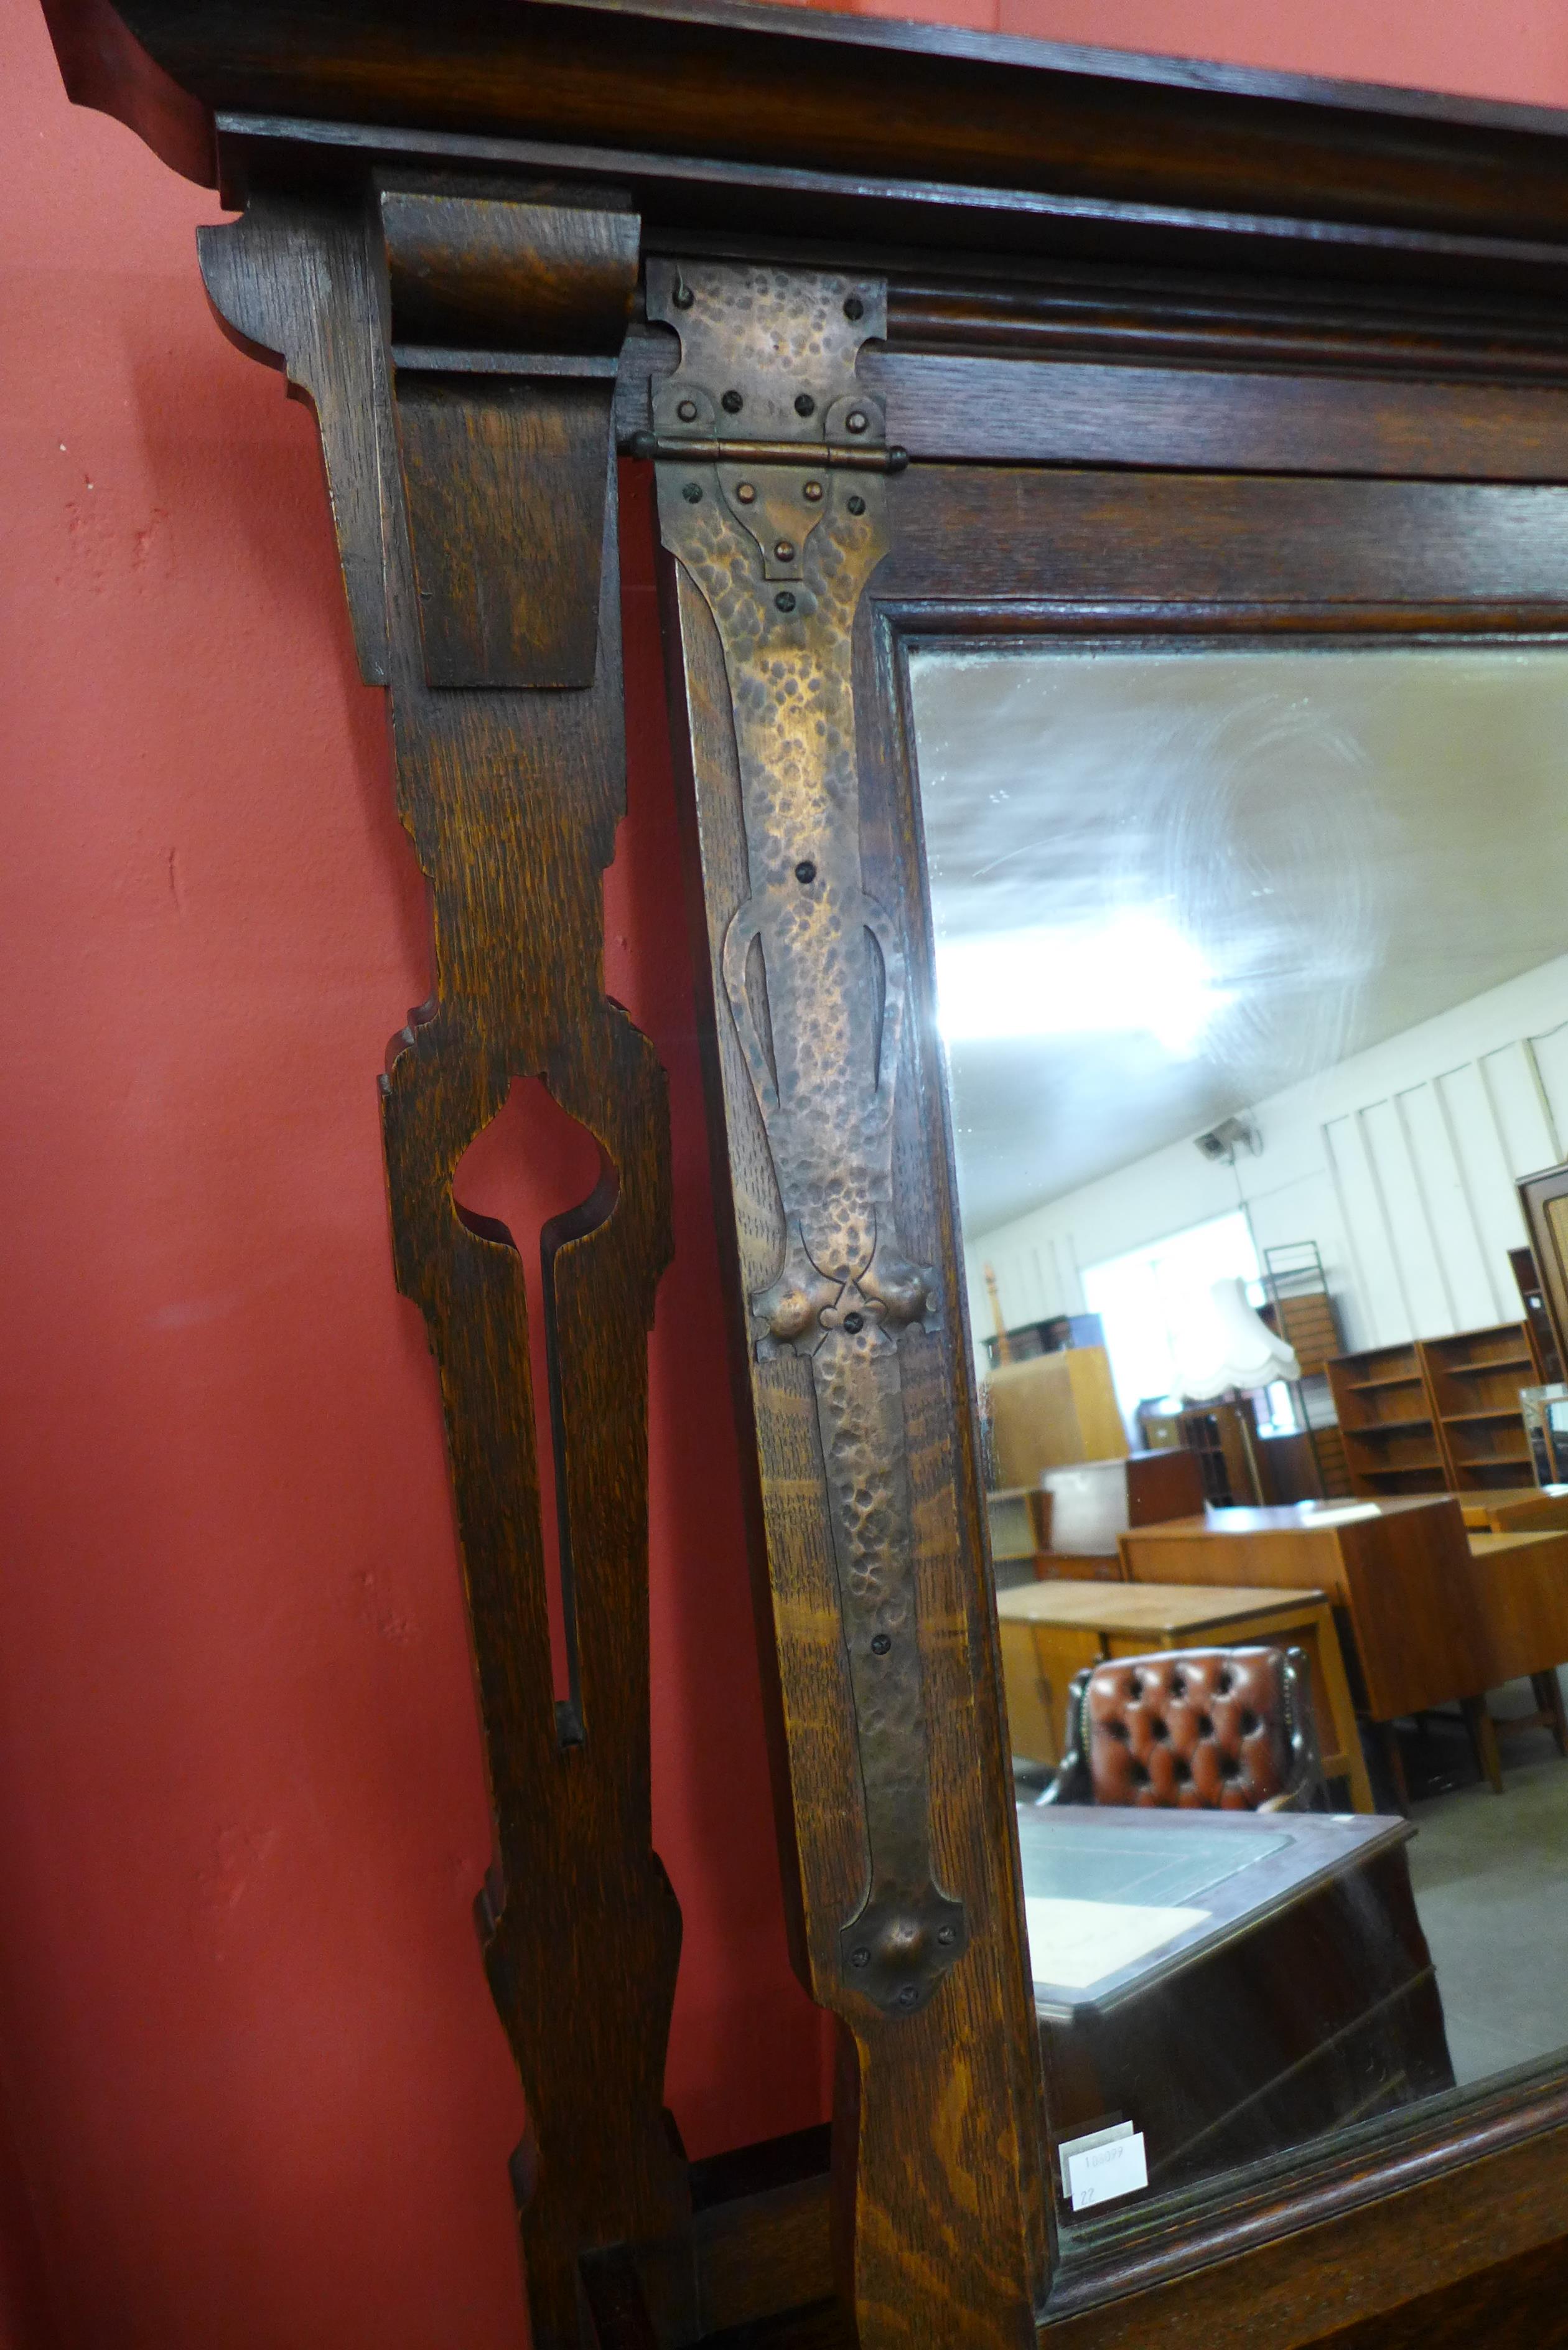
(1245, 867)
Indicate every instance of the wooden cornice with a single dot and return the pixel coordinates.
(813, 124)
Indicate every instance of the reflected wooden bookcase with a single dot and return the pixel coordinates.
(1438, 1415)
(1386, 1422)
(1474, 1380)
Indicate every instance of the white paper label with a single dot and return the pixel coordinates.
(1098, 2174)
(1072, 2145)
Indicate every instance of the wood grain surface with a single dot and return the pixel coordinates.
(511, 799)
(940, 2226)
(925, 102)
(1313, 281)
(992, 554)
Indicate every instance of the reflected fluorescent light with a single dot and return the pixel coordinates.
(1135, 973)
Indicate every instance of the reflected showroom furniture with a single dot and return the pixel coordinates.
(1050, 1411)
(1294, 1990)
(1430, 1613)
(1474, 1380)
(1545, 1200)
(1092, 1505)
(1542, 1512)
(1438, 1415)
(1537, 1312)
(1398, 1575)
(1520, 1579)
(1018, 1524)
(1052, 1631)
(1193, 1730)
(1386, 1422)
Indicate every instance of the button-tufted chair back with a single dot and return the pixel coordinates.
(1203, 1728)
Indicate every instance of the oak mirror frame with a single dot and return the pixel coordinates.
(931, 339)
(1004, 561)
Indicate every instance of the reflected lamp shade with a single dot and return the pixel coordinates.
(1229, 1346)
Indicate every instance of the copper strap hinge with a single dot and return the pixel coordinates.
(779, 535)
(830, 455)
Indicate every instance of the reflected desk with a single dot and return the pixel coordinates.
(1428, 1612)
(1230, 1984)
(1410, 1606)
(1052, 1630)
(1522, 1583)
(1542, 1511)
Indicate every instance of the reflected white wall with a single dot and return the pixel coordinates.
(1399, 1162)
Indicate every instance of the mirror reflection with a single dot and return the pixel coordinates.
(1253, 976)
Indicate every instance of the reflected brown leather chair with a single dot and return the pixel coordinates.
(1199, 1729)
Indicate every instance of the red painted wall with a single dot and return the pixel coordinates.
(252, 2090)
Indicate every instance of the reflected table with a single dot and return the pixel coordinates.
(1052, 1630)
(1230, 1984)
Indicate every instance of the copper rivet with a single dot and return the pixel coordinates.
(812, 492)
(687, 411)
(745, 493)
(784, 550)
(856, 420)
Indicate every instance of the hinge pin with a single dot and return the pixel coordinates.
(867, 459)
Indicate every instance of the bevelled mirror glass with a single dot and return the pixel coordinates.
(1252, 968)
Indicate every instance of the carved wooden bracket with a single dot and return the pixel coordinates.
(459, 353)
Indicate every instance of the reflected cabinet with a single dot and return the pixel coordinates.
(1114, 529)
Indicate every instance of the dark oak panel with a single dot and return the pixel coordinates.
(505, 598)
(1027, 537)
(1063, 412)
(1517, 2305)
(1058, 308)
(1359, 2260)
(512, 800)
(925, 102)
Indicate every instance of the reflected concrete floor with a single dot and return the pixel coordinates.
(1490, 1874)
